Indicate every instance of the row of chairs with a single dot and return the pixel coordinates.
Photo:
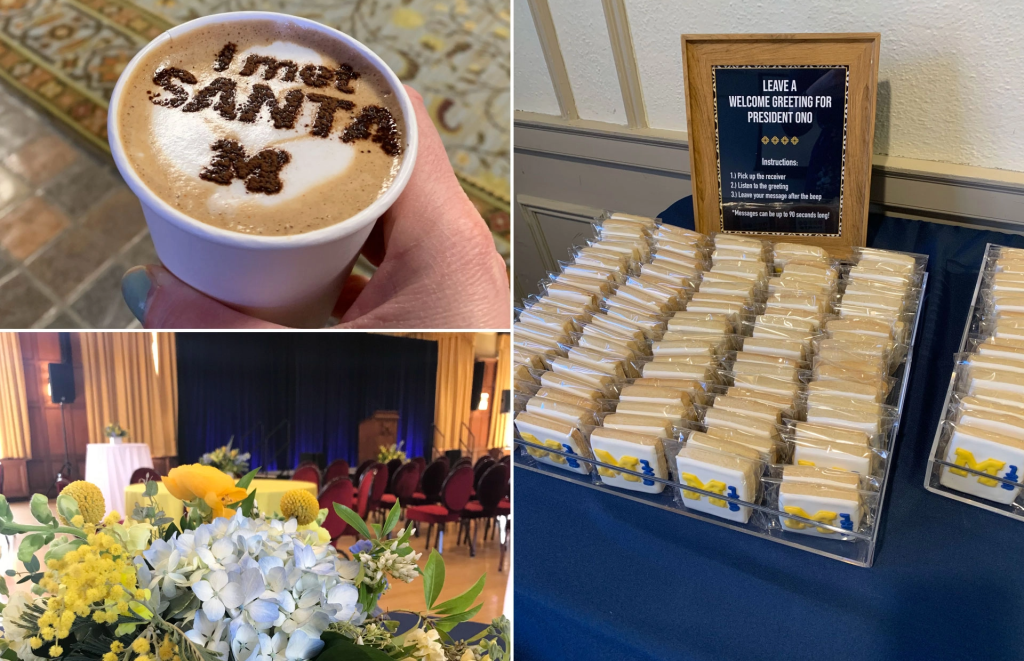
(435, 494)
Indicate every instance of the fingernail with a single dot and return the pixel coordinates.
(135, 286)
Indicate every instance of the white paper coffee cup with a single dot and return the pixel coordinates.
(291, 280)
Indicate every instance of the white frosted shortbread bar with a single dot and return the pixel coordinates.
(982, 450)
(731, 475)
(554, 434)
(641, 453)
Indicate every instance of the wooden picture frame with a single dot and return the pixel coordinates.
(706, 56)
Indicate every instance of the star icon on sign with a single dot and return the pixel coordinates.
(785, 140)
(775, 140)
(764, 140)
(795, 140)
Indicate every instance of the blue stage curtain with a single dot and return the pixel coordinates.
(323, 384)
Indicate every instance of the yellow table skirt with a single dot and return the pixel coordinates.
(268, 496)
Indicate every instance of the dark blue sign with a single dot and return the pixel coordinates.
(781, 141)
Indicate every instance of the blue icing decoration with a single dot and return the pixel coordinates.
(647, 470)
(845, 522)
(572, 462)
(733, 507)
(1010, 475)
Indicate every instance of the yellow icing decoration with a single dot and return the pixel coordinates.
(715, 486)
(630, 464)
(821, 516)
(966, 458)
(606, 457)
(540, 454)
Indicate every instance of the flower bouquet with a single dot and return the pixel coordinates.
(222, 583)
(227, 459)
(115, 433)
(388, 453)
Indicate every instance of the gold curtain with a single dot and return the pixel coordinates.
(14, 434)
(454, 384)
(502, 381)
(132, 379)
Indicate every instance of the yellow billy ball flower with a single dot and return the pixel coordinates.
(89, 498)
(300, 505)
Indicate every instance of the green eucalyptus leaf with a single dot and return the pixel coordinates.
(40, 508)
(346, 650)
(67, 506)
(152, 488)
(32, 565)
(433, 578)
(463, 601)
(392, 519)
(446, 623)
(5, 509)
(30, 545)
(58, 551)
(246, 479)
(38, 590)
(4, 590)
(352, 519)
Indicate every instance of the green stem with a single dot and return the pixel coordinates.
(12, 528)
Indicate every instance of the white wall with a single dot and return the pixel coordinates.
(532, 84)
(586, 49)
(951, 73)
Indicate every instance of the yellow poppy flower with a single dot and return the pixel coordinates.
(206, 483)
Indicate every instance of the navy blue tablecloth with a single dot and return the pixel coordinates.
(600, 577)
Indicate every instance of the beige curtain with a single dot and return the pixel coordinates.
(14, 434)
(502, 381)
(454, 384)
(132, 379)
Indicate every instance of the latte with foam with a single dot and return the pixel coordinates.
(262, 127)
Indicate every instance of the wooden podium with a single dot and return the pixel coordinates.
(381, 429)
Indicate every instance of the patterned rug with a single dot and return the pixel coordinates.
(66, 55)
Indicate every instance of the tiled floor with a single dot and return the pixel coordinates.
(69, 227)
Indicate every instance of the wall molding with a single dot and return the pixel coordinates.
(617, 19)
(548, 37)
(966, 195)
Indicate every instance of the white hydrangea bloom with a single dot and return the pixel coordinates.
(266, 587)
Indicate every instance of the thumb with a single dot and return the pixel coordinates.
(160, 300)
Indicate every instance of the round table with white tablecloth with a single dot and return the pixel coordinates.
(110, 467)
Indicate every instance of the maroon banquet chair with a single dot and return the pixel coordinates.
(339, 490)
(360, 505)
(392, 469)
(420, 462)
(491, 492)
(454, 497)
(308, 473)
(379, 486)
(144, 474)
(431, 483)
(357, 478)
(403, 485)
(337, 468)
(480, 469)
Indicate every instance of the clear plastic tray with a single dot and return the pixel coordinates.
(936, 461)
(857, 548)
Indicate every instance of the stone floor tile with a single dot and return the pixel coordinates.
(79, 251)
(29, 226)
(21, 302)
(16, 128)
(11, 188)
(140, 254)
(82, 185)
(101, 305)
(62, 321)
(42, 158)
